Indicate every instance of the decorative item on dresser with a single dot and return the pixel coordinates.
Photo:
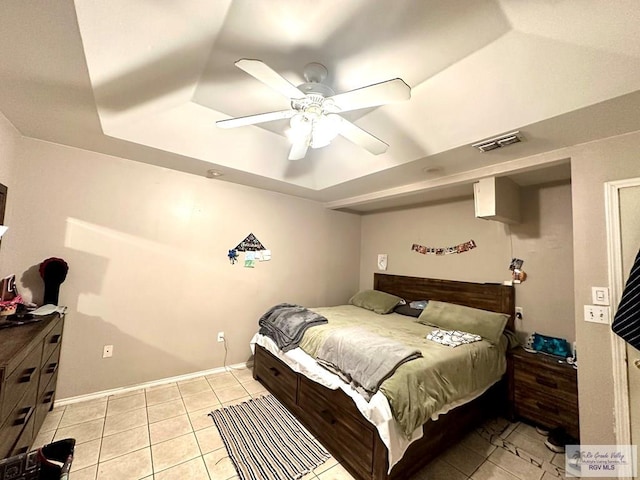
(545, 391)
(29, 357)
(333, 418)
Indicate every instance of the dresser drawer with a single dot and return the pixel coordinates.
(336, 425)
(52, 340)
(276, 376)
(26, 438)
(45, 400)
(49, 369)
(19, 418)
(18, 382)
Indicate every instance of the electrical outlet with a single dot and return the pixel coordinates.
(221, 336)
(519, 313)
(107, 351)
(596, 314)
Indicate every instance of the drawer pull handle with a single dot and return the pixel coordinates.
(327, 417)
(546, 382)
(55, 339)
(24, 418)
(49, 397)
(26, 376)
(21, 450)
(275, 371)
(52, 368)
(547, 408)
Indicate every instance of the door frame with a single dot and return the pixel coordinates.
(622, 417)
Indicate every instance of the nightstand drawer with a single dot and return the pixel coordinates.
(549, 412)
(546, 405)
(539, 361)
(546, 382)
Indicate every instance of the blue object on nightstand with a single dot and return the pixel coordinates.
(549, 345)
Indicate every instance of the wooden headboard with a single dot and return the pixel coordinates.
(487, 296)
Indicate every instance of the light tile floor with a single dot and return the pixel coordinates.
(164, 432)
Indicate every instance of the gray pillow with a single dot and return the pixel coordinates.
(448, 316)
(375, 300)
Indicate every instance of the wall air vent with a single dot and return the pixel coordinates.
(498, 142)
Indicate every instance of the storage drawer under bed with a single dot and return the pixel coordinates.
(329, 414)
(276, 376)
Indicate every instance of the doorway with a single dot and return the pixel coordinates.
(623, 230)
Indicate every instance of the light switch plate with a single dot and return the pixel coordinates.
(596, 314)
(382, 261)
(600, 296)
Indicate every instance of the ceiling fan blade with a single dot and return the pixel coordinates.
(253, 119)
(373, 95)
(269, 77)
(362, 138)
(299, 149)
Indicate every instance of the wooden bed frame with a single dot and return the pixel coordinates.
(332, 417)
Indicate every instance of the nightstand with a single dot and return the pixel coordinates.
(545, 391)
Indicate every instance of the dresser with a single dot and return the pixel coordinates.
(29, 358)
(545, 391)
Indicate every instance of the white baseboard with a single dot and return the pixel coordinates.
(120, 390)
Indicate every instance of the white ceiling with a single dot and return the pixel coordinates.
(147, 80)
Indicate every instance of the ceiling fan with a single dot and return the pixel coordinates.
(314, 113)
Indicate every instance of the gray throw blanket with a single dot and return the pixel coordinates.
(286, 323)
(362, 358)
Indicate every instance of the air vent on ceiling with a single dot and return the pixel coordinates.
(498, 142)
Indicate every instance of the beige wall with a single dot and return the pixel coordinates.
(543, 239)
(147, 249)
(9, 138)
(592, 165)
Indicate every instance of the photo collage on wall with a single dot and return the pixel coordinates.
(461, 248)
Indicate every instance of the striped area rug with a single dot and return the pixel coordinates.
(265, 442)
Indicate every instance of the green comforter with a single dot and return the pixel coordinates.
(420, 388)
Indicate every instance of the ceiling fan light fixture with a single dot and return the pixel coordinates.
(325, 129)
(319, 129)
(314, 119)
(300, 127)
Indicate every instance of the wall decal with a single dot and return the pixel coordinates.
(461, 248)
(249, 244)
(253, 251)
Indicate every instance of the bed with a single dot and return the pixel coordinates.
(333, 416)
